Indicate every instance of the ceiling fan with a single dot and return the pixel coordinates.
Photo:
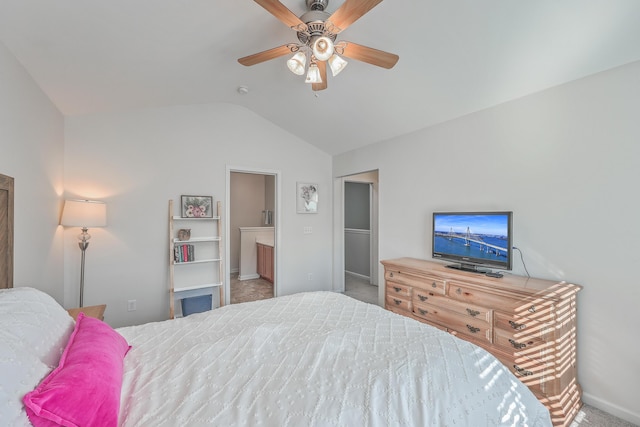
(317, 32)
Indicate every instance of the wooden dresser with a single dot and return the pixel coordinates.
(528, 324)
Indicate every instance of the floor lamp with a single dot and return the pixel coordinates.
(83, 213)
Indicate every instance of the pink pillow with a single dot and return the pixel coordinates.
(84, 390)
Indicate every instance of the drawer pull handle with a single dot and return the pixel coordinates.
(517, 345)
(434, 285)
(423, 312)
(517, 326)
(472, 313)
(521, 371)
(532, 309)
(397, 289)
(423, 298)
(458, 291)
(391, 274)
(397, 301)
(473, 329)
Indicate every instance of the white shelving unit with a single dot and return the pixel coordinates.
(205, 273)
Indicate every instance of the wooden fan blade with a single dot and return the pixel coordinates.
(266, 55)
(370, 55)
(322, 66)
(281, 12)
(348, 13)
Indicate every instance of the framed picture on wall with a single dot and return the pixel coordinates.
(196, 206)
(306, 197)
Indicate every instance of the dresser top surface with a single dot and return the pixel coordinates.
(511, 282)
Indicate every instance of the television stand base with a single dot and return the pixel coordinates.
(466, 267)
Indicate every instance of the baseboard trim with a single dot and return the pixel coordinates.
(361, 276)
(249, 277)
(611, 408)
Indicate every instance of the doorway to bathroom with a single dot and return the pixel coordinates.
(252, 236)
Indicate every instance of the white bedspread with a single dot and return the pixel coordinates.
(314, 359)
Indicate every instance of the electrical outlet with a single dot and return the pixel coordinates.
(131, 305)
(309, 276)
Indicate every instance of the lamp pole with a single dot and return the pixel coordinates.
(84, 214)
(83, 244)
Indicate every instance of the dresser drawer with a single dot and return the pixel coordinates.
(469, 294)
(398, 303)
(476, 328)
(461, 307)
(434, 284)
(523, 328)
(425, 321)
(398, 289)
(521, 345)
(542, 310)
(398, 311)
(535, 374)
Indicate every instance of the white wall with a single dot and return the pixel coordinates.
(567, 162)
(136, 161)
(31, 151)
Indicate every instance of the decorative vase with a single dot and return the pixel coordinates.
(184, 234)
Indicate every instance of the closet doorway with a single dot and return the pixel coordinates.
(356, 236)
(252, 243)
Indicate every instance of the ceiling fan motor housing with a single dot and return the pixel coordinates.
(315, 19)
(317, 4)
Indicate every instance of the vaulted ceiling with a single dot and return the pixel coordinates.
(456, 57)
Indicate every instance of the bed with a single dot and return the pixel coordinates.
(309, 359)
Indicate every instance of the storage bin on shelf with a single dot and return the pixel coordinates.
(193, 305)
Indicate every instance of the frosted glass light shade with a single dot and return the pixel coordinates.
(297, 62)
(313, 75)
(336, 64)
(84, 213)
(322, 48)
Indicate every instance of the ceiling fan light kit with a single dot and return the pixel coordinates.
(317, 31)
(313, 75)
(336, 64)
(322, 48)
(297, 63)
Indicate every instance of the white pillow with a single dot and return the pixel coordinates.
(34, 330)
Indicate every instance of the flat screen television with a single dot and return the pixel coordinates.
(473, 239)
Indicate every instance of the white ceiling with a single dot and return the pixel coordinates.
(456, 57)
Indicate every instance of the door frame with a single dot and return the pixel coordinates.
(338, 230)
(227, 224)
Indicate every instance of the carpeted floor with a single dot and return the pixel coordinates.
(594, 417)
(360, 289)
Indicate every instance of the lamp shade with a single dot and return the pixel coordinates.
(84, 213)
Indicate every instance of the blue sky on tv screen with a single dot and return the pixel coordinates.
(495, 225)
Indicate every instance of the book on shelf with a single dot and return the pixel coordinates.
(184, 253)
